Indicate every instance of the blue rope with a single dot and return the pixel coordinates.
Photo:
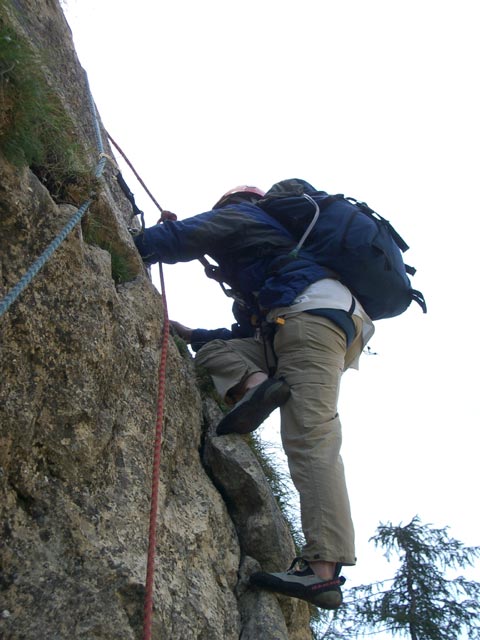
(13, 294)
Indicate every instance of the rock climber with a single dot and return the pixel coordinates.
(298, 328)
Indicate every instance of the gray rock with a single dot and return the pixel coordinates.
(237, 473)
(79, 355)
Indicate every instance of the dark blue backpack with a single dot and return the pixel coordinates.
(349, 238)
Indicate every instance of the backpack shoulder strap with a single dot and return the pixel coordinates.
(419, 299)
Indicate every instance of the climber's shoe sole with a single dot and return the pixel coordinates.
(325, 594)
(256, 405)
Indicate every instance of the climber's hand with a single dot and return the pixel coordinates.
(167, 215)
(181, 330)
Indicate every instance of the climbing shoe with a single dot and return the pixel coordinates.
(255, 406)
(302, 583)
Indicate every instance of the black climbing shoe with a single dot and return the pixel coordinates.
(255, 406)
(302, 583)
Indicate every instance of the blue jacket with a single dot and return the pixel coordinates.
(252, 250)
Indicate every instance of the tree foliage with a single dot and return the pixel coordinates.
(422, 601)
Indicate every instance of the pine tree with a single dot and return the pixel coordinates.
(420, 602)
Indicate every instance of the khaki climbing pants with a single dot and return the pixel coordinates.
(312, 356)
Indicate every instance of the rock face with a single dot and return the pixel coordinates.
(79, 360)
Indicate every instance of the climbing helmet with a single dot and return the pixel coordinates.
(242, 193)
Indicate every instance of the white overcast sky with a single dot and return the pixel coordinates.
(372, 98)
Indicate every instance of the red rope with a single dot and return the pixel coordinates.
(152, 533)
(148, 602)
